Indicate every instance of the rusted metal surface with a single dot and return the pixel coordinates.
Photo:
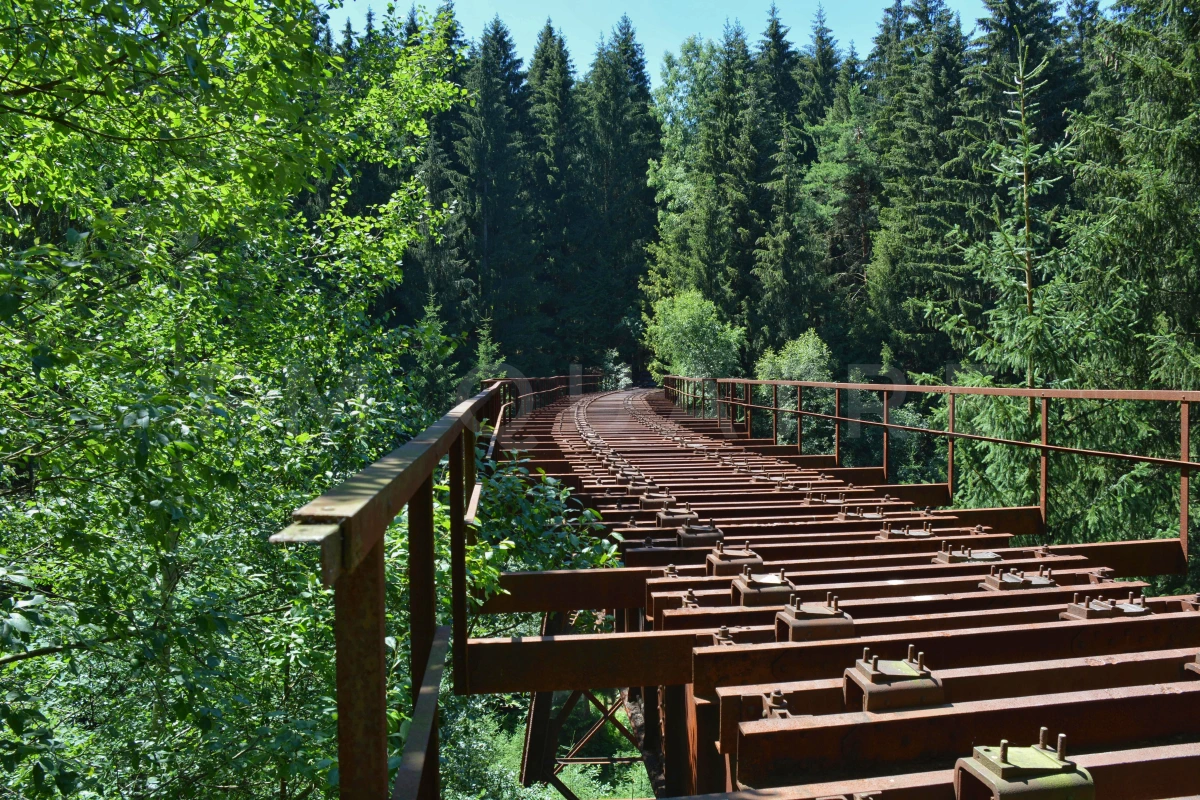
(785, 626)
(348, 524)
(417, 775)
(929, 591)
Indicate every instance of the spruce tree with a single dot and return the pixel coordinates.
(621, 138)
(911, 260)
(494, 187)
(844, 187)
(557, 199)
(1011, 25)
(779, 93)
(821, 70)
(789, 291)
(728, 144)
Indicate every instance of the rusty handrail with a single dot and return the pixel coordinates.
(419, 761)
(673, 384)
(348, 523)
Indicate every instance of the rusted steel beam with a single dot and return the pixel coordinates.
(715, 666)
(851, 590)
(1145, 773)
(595, 661)
(367, 502)
(360, 655)
(1017, 520)
(829, 696)
(846, 545)
(417, 775)
(820, 747)
(712, 617)
(571, 590)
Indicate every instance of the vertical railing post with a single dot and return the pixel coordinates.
(1044, 464)
(422, 606)
(837, 427)
(950, 450)
(887, 396)
(421, 588)
(703, 400)
(458, 556)
(1185, 454)
(749, 410)
(361, 666)
(775, 414)
(799, 420)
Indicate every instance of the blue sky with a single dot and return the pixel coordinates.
(661, 24)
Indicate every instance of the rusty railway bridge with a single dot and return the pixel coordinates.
(785, 626)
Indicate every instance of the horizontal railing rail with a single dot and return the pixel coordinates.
(348, 523)
(733, 394)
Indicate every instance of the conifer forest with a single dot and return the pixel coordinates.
(244, 254)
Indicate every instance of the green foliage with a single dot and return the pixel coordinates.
(615, 374)
(1024, 265)
(805, 358)
(688, 338)
(489, 363)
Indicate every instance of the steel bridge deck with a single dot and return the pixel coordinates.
(789, 628)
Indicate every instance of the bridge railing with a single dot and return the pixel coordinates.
(348, 524)
(733, 395)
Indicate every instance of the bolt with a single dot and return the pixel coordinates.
(1131, 598)
(690, 597)
(828, 598)
(866, 654)
(1004, 751)
(921, 661)
(835, 603)
(671, 570)
(1043, 738)
(874, 663)
(1075, 598)
(1062, 747)
(912, 650)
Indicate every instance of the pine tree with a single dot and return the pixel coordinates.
(412, 25)
(1141, 174)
